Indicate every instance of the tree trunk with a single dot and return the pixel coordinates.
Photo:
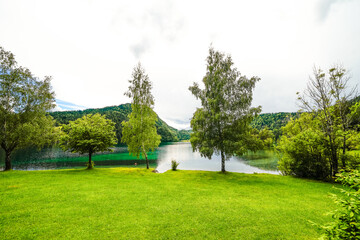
(335, 163)
(222, 162)
(344, 149)
(147, 160)
(90, 164)
(334, 158)
(7, 161)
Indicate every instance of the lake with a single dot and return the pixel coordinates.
(55, 158)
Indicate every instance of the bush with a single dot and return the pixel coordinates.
(347, 216)
(303, 155)
(174, 165)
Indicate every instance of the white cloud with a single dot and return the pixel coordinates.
(91, 47)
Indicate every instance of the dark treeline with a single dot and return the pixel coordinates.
(118, 114)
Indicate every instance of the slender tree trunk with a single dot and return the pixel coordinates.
(90, 164)
(222, 162)
(335, 163)
(334, 158)
(147, 160)
(344, 149)
(7, 160)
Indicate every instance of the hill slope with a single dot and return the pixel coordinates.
(118, 114)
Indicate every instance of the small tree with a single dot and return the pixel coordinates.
(139, 133)
(327, 96)
(89, 134)
(222, 124)
(24, 102)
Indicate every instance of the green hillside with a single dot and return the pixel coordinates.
(118, 114)
(275, 121)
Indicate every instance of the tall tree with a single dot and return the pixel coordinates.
(327, 96)
(222, 124)
(139, 133)
(89, 134)
(24, 102)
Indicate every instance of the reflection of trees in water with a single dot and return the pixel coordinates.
(54, 158)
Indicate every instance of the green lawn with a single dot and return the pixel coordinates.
(134, 203)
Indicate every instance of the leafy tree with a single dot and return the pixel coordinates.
(267, 137)
(139, 133)
(222, 123)
(24, 102)
(327, 95)
(89, 134)
(302, 149)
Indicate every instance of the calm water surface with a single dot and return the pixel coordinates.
(55, 158)
(189, 160)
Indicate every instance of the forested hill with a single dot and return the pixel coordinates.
(118, 114)
(273, 121)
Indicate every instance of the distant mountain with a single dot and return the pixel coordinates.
(118, 114)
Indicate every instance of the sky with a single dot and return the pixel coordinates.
(91, 47)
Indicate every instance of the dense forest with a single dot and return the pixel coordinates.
(273, 121)
(118, 114)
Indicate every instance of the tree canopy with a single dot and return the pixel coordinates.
(328, 96)
(89, 134)
(24, 102)
(313, 145)
(139, 133)
(222, 123)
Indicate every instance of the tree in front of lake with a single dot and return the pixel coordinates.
(25, 101)
(139, 133)
(221, 125)
(90, 134)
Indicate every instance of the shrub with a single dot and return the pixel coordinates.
(347, 216)
(174, 165)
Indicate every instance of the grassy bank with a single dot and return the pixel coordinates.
(121, 203)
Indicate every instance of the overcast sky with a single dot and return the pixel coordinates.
(91, 47)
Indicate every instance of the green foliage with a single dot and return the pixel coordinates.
(174, 165)
(139, 133)
(223, 120)
(273, 122)
(305, 149)
(118, 114)
(89, 134)
(346, 223)
(24, 102)
(328, 96)
(302, 150)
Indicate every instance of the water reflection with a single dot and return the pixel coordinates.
(189, 160)
(55, 158)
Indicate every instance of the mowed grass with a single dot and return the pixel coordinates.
(133, 203)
